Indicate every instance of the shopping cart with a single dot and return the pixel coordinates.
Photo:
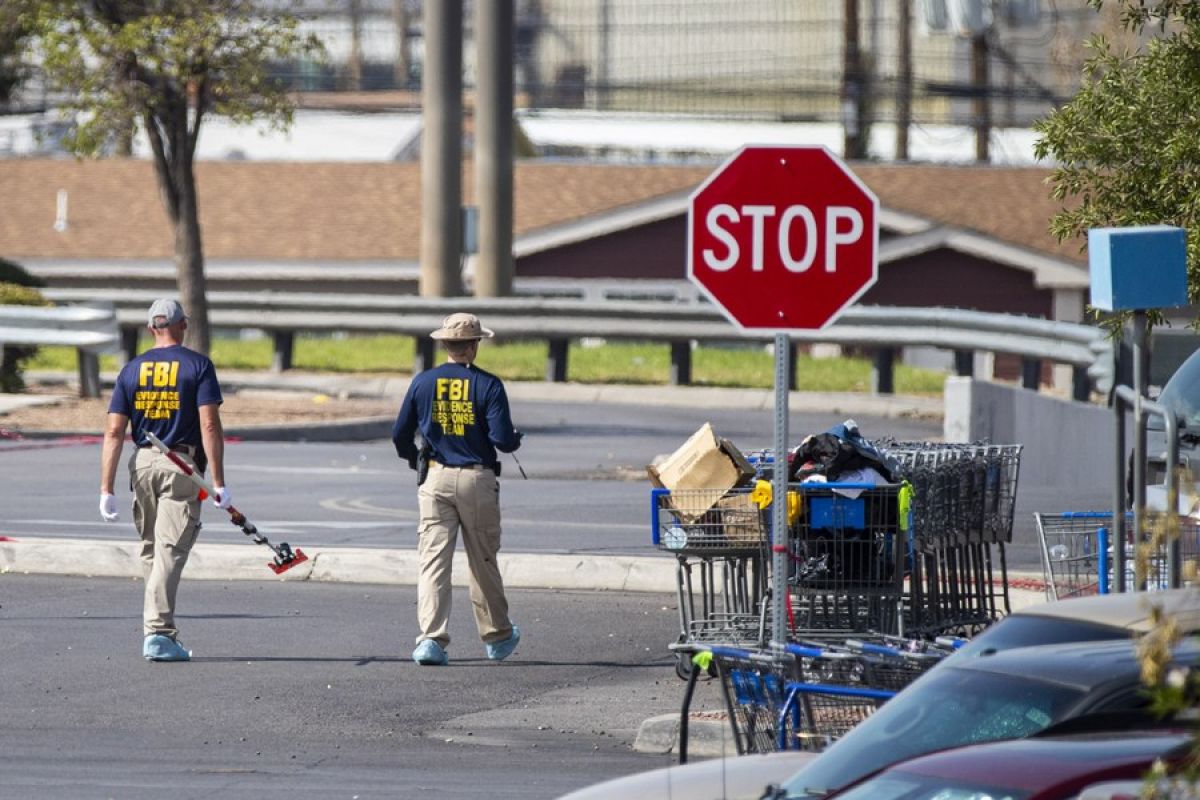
(962, 514)
(772, 698)
(863, 662)
(752, 687)
(1078, 559)
(721, 543)
(848, 552)
(1075, 552)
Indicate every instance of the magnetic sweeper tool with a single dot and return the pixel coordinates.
(285, 556)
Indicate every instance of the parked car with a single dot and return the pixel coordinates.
(1006, 695)
(995, 695)
(1181, 394)
(1038, 768)
(1085, 619)
(740, 778)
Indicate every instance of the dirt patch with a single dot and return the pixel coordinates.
(80, 415)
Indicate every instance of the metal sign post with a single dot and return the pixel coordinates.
(779, 487)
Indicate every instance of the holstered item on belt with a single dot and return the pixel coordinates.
(423, 463)
(496, 468)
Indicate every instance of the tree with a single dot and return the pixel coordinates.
(13, 71)
(171, 63)
(1126, 147)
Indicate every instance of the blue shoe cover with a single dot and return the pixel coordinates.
(498, 651)
(430, 653)
(163, 648)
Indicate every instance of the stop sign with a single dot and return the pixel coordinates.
(783, 238)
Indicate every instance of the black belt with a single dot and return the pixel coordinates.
(475, 467)
(494, 468)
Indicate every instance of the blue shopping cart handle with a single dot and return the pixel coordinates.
(954, 642)
(655, 494)
(877, 649)
(804, 652)
(730, 652)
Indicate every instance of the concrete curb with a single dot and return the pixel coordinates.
(235, 562)
(707, 737)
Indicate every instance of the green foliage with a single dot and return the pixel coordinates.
(1126, 147)
(165, 66)
(14, 357)
(157, 60)
(11, 272)
(13, 70)
(15, 294)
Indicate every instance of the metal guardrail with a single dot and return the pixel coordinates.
(90, 330)
(678, 322)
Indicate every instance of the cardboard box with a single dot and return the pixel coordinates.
(740, 519)
(704, 463)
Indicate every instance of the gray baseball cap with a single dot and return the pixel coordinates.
(165, 313)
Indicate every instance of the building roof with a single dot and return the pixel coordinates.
(371, 211)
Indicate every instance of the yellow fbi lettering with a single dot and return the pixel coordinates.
(158, 373)
(452, 408)
(162, 400)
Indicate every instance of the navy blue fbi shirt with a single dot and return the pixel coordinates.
(161, 391)
(462, 413)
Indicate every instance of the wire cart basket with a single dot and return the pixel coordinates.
(847, 552)
(721, 544)
(804, 696)
(964, 496)
(1077, 554)
(815, 715)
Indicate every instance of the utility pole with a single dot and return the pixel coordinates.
(356, 58)
(603, 74)
(903, 78)
(853, 86)
(441, 151)
(400, 23)
(981, 107)
(494, 146)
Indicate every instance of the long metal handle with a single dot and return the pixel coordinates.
(195, 476)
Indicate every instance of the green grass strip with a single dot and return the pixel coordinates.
(625, 363)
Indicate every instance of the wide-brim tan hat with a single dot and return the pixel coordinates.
(461, 327)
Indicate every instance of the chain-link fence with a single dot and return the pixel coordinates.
(776, 59)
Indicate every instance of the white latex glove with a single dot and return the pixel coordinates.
(222, 497)
(108, 507)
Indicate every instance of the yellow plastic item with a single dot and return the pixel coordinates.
(702, 659)
(904, 498)
(763, 494)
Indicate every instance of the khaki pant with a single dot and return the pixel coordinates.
(166, 511)
(454, 498)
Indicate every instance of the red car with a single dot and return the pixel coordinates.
(1050, 768)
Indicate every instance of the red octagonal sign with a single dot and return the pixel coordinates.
(783, 238)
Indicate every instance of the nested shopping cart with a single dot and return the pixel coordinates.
(804, 696)
(964, 496)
